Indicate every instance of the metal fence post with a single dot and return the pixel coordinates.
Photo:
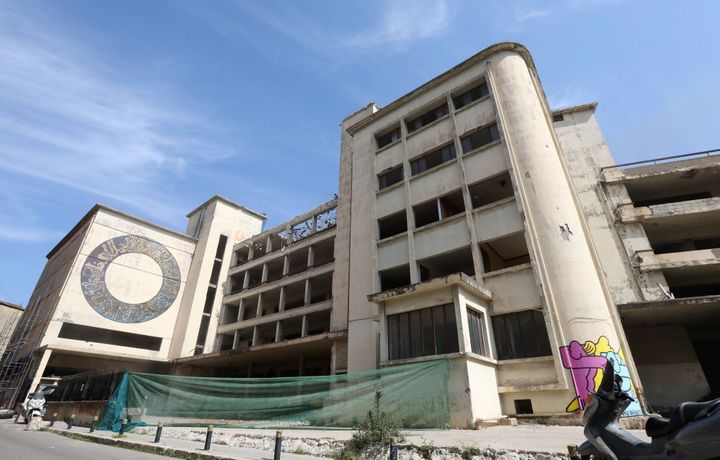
(70, 422)
(123, 426)
(93, 425)
(278, 445)
(393, 452)
(158, 433)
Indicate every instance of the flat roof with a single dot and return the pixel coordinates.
(94, 210)
(476, 58)
(5, 303)
(227, 201)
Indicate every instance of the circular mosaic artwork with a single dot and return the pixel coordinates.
(95, 289)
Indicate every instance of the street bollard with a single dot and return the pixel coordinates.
(123, 426)
(53, 418)
(393, 452)
(208, 437)
(573, 452)
(70, 422)
(158, 433)
(93, 425)
(278, 445)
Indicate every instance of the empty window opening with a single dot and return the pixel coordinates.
(690, 244)
(427, 118)
(523, 407)
(476, 330)
(230, 313)
(458, 261)
(323, 252)
(451, 204)
(259, 248)
(390, 177)
(225, 341)
(558, 117)
(209, 300)
(291, 328)
(394, 277)
(249, 307)
(277, 242)
(326, 220)
(388, 137)
(265, 333)
(294, 295)
(242, 255)
(222, 244)
(491, 190)
(426, 332)
(693, 282)
(243, 338)
(470, 96)
(393, 224)
(202, 333)
(505, 252)
(303, 229)
(318, 323)
(215, 274)
(254, 276)
(321, 288)
(109, 336)
(275, 269)
(297, 261)
(426, 213)
(521, 335)
(236, 282)
(432, 159)
(482, 136)
(270, 302)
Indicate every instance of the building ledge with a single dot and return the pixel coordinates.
(531, 387)
(456, 279)
(628, 213)
(277, 316)
(686, 310)
(647, 260)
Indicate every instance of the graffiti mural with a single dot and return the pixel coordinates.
(586, 362)
(95, 290)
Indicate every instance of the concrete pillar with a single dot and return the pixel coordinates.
(42, 364)
(573, 284)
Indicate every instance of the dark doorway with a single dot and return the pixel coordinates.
(706, 351)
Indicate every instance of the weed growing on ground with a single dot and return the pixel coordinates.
(469, 452)
(374, 434)
(426, 449)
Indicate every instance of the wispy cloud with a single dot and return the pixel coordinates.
(519, 15)
(68, 119)
(570, 96)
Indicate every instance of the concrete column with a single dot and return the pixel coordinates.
(286, 265)
(311, 257)
(572, 280)
(258, 312)
(263, 276)
(304, 327)
(308, 291)
(281, 303)
(42, 364)
(246, 279)
(278, 332)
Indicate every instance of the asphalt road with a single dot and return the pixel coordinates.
(17, 444)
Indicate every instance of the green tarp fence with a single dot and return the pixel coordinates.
(417, 393)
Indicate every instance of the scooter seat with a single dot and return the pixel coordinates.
(683, 413)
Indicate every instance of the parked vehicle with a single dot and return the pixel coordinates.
(34, 406)
(691, 432)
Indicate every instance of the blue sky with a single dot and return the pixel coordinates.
(152, 107)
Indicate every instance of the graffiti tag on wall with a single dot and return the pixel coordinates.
(586, 362)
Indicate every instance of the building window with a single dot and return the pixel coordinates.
(426, 332)
(390, 177)
(491, 190)
(387, 138)
(521, 335)
(474, 94)
(392, 225)
(432, 159)
(427, 118)
(394, 277)
(476, 326)
(482, 136)
(523, 407)
(438, 209)
(558, 117)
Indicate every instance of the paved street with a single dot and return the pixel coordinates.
(17, 444)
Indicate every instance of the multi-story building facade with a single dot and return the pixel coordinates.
(473, 224)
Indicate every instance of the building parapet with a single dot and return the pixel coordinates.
(647, 260)
(628, 213)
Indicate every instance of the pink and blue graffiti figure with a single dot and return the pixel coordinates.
(583, 369)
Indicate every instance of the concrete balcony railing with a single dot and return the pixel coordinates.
(647, 260)
(627, 213)
(513, 289)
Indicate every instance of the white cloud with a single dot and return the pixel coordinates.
(570, 96)
(12, 232)
(67, 119)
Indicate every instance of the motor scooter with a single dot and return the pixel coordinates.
(691, 432)
(34, 407)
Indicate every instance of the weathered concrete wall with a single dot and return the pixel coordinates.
(84, 411)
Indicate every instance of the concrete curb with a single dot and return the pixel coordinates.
(140, 446)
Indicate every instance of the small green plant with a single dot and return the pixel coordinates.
(426, 449)
(469, 452)
(374, 434)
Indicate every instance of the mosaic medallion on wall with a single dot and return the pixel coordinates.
(95, 286)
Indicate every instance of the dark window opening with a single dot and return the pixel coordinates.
(249, 308)
(209, 300)
(259, 248)
(318, 323)
(244, 338)
(482, 136)
(426, 332)
(394, 277)
(388, 138)
(277, 241)
(202, 333)
(242, 255)
(236, 282)
(215, 275)
(297, 261)
(476, 328)
(254, 276)
(321, 288)
(222, 244)
(458, 261)
(508, 251)
(491, 190)
(323, 253)
(426, 213)
(521, 335)
(291, 328)
(393, 224)
(427, 118)
(474, 94)
(270, 302)
(672, 199)
(274, 269)
(523, 407)
(230, 314)
(432, 159)
(265, 333)
(690, 244)
(390, 177)
(225, 341)
(558, 117)
(294, 295)
(108, 336)
(451, 204)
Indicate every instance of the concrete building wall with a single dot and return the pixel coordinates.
(9, 316)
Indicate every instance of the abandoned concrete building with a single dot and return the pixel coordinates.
(472, 223)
